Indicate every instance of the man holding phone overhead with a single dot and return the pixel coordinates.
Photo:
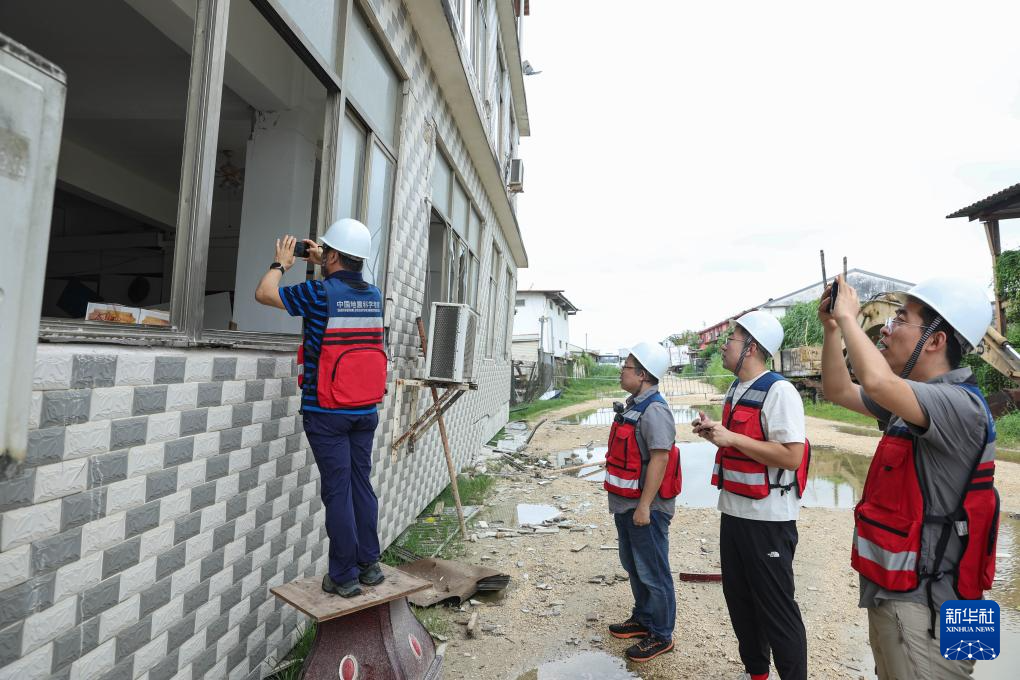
(343, 379)
(925, 527)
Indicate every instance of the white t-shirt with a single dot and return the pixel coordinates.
(783, 421)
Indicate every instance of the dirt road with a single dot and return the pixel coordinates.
(567, 586)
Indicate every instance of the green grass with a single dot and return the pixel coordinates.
(497, 437)
(1007, 431)
(830, 411)
(604, 382)
(433, 619)
(473, 491)
(296, 654)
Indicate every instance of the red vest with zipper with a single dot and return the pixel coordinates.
(741, 474)
(623, 460)
(893, 510)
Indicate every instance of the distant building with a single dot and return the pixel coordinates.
(542, 322)
(868, 285)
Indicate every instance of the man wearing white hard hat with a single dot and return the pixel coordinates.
(760, 470)
(643, 480)
(925, 527)
(343, 378)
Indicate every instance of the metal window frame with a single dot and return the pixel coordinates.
(205, 86)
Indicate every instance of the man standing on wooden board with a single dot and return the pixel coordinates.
(343, 379)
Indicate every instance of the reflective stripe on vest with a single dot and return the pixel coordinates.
(891, 561)
(733, 471)
(624, 463)
(890, 518)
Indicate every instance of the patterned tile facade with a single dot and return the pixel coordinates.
(165, 491)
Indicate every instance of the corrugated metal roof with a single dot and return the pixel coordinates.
(987, 206)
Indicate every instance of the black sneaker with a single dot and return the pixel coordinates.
(648, 649)
(628, 629)
(349, 589)
(371, 574)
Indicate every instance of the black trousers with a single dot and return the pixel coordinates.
(757, 579)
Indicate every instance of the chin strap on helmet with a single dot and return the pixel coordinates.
(743, 354)
(928, 332)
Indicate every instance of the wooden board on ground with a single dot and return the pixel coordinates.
(306, 595)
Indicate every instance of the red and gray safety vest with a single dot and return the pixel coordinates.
(741, 474)
(624, 462)
(894, 508)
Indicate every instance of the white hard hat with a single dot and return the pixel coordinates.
(350, 237)
(764, 328)
(653, 357)
(964, 305)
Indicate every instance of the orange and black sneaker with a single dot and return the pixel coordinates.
(628, 629)
(648, 649)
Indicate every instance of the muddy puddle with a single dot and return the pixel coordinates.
(1005, 591)
(587, 665)
(835, 480)
(605, 415)
(518, 515)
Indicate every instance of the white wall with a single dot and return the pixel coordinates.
(556, 331)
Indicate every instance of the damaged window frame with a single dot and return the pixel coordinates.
(205, 83)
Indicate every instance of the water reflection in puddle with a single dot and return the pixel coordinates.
(605, 415)
(587, 665)
(1005, 591)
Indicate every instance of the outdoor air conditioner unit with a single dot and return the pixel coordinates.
(451, 355)
(516, 184)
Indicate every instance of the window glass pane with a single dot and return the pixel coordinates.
(118, 180)
(377, 218)
(490, 335)
(464, 264)
(318, 20)
(350, 172)
(370, 80)
(434, 276)
(473, 284)
(475, 232)
(452, 262)
(266, 185)
(459, 210)
(442, 175)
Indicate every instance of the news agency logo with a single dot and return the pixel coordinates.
(969, 630)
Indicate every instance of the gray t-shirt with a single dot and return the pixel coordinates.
(656, 431)
(946, 452)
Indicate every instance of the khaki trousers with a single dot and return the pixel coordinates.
(902, 647)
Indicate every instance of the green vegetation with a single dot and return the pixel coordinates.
(830, 411)
(801, 326)
(602, 381)
(472, 488)
(473, 491)
(719, 377)
(290, 666)
(433, 619)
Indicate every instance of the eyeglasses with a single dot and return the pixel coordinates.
(892, 323)
(625, 367)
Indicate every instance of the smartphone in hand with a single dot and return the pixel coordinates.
(300, 249)
(832, 295)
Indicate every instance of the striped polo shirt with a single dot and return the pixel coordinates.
(308, 300)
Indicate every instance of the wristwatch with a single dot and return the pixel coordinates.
(277, 265)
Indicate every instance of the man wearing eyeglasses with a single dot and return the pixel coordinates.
(760, 469)
(642, 478)
(924, 529)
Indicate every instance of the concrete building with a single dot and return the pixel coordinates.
(867, 284)
(159, 482)
(542, 322)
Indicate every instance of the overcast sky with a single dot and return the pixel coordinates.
(688, 160)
